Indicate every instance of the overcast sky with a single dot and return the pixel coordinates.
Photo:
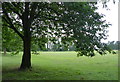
(112, 17)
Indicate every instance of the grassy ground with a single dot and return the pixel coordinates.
(62, 66)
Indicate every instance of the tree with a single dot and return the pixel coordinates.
(114, 45)
(11, 42)
(73, 22)
(118, 45)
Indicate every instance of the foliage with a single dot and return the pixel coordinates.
(10, 40)
(72, 22)
(114, 45)
(14, 53)
(62, 47)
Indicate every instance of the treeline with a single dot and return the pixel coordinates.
(61, 47)
(14, 46)
(13, 43)
(114, 45)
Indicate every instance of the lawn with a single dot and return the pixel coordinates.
(62, 66)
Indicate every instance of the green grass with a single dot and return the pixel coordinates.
(62, 66)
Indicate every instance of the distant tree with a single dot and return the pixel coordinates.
(114, 45)
(72, 47)
(10, 40)
(34, 48)
(111, 44)
(75, 22)
(118, 45)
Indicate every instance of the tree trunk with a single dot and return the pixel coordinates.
(26, 59)
(4, 51)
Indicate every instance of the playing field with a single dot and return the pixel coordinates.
(62, 66)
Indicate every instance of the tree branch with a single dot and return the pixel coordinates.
(14, 10)
(8, 20)
(32, 12)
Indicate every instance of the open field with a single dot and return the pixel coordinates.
(62, 66)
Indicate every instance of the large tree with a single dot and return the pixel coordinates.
(71, 22)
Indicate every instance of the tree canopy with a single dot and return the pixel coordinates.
(75, 23)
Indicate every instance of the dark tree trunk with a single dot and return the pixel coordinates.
(26, 59)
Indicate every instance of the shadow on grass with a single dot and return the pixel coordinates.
(10, 70)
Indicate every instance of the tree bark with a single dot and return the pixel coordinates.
(26, 59)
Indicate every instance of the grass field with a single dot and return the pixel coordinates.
(62, 66)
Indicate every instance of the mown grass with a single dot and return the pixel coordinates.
(62, 66)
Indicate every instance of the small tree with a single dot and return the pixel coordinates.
(12, 42)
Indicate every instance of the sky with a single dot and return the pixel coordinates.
(112, 17)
